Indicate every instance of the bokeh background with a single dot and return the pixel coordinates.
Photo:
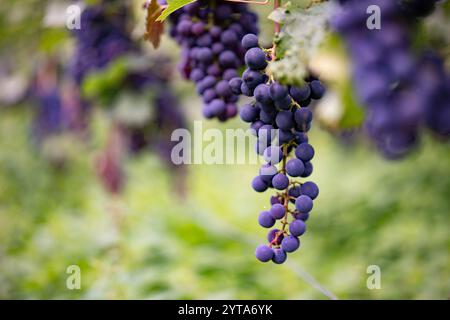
(153, 241)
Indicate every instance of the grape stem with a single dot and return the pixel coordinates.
(277, 27)
(285, 197)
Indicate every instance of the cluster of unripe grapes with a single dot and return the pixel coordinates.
(209, 34)
(280, 118)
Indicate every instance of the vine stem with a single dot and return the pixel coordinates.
(277, 29)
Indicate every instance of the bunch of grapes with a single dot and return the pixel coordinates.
(102, 38)
(390, 79)
(280, 117)
(209, 33)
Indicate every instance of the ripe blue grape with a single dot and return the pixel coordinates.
(266, 219)
(295, 167)
(264, 253)
(255, 59)
(297, 227)
(259, 185)
(304, 204)
(304, 152)
(290, 243)
(280, 181)
(277, 211)
(310, 189)
(250, 41)
(279, 256)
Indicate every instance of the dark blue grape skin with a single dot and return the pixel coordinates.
(247, 91)
(317, 89)
(294, 192)
(223, 89)
(304, 152)
(308, 170)
(229, 74)
(259, 185)
(252, 78)
(290, 244)
(274, 199)
(249, 113)
(217, 48)
(235, 85)
(303, 116)
(278, 91)
(303, 204)
(255, 59)
(265, 133)
(267, 172)
(209, 95)
(297, 228)
(218, 106)
(279, 256)
(310, 189)
(272, 234)
(266, 220)
(277, 211)
(198, 28)
(301, 216)
(197, 75)
(267, 117)
(280, 181)
(250, 41)
(228, 59)
(300, 94)
(262, 94)
(229, 38)
(264, 253)
(273, 154)
(301, 137)
(285, 136)
(284, 103)
(295, 167)
(255, 126)
(284, 120)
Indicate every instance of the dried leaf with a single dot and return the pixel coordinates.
(154, 28)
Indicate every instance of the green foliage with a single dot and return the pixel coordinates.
(103, 85)
(172, 6)
(303, 31)
(394, 215)
(353, 113)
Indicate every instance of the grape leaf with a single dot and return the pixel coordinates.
(303, 31)
(154, 28)
(172, 6)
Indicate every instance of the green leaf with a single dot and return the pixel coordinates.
(353, 115)
(303, 32)
(172, 6)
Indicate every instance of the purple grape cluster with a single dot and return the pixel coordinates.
(280, 117)
(209, 34)
(402, 91)
(102, 38)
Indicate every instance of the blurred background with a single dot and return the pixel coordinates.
(86, 178)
